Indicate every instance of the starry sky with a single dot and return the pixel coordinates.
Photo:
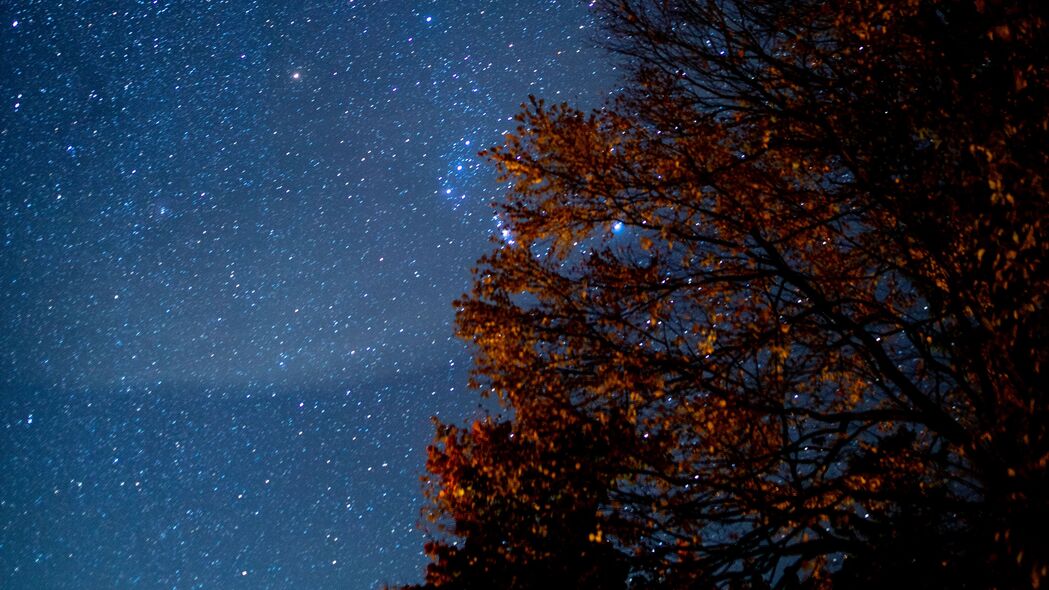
(232, 232)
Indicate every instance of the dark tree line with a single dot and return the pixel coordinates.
(774, 318)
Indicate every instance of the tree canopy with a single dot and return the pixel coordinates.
(775, 317)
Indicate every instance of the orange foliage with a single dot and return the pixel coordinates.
(818, 340)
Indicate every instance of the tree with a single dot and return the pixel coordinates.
(527, 514)
(774, 318)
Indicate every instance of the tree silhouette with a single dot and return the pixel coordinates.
(774, 318)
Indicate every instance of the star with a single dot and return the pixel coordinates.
(191, 270)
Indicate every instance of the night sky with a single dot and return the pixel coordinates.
(232, 232)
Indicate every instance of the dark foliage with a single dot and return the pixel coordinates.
(776, 318)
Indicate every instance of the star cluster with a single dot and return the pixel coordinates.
(232, 231)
